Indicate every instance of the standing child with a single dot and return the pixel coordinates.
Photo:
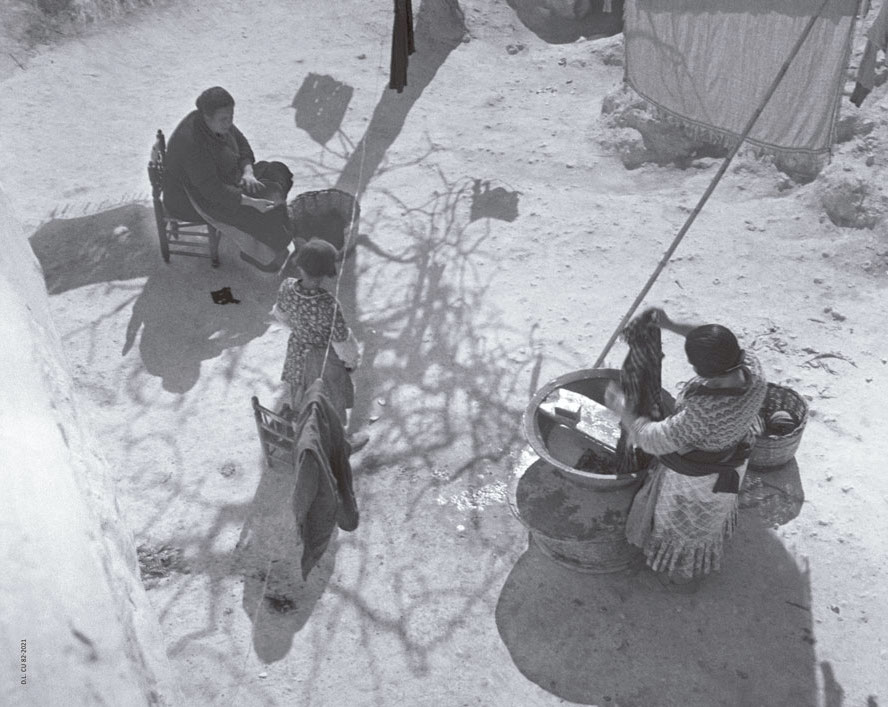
(318, 331)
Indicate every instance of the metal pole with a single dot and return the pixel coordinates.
(715, 180)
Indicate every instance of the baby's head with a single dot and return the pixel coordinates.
(316, 259)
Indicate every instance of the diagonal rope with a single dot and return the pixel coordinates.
(715, 180)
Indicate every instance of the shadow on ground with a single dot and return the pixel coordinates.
(745, 638)
(565, 21)
(275, 597)
(111, 245)
(180, 324)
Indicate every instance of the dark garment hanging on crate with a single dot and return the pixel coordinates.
(402, 43)
(324, 496)
(640, 380)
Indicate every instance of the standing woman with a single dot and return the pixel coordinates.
(210, 174)
(687, 507)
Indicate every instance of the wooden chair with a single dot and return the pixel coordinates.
(177, 237)
(277, 435)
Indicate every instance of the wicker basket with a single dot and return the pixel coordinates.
(776, 450)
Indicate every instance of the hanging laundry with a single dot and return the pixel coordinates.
(640, 381)
(707, 64)
(877, 40)
(402, 43)
(324, 496)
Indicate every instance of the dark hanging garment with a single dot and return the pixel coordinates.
(324, 495)
(641, 382)
(402, 43)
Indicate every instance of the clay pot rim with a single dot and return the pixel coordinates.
(533, 435)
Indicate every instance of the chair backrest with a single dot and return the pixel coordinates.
(155, 165)
(277, 434)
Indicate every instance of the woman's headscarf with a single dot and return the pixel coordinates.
(713, 350)
(213, 99)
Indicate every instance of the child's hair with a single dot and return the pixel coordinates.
(317, 258)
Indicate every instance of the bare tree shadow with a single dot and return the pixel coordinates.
(563, 22)
(437, 353)
(744, 638)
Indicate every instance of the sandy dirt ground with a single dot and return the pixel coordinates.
(436, 598)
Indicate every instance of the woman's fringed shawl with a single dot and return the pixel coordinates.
(402, 43)
(640, 380)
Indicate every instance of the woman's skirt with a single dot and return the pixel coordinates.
(337, 380)
(680, 524)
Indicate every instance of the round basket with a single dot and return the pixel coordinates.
(772, 450)
(332, 215)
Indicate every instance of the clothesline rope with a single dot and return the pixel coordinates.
(351, 227)
(715, 180)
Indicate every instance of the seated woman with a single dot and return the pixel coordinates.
(687, 506)
(210, 175)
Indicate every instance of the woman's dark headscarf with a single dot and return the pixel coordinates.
(713, 350)
(213, 99)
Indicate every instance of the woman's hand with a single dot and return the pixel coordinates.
(661, 319)
(248, 181)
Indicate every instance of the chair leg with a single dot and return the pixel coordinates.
(164, 243)
(214, 246)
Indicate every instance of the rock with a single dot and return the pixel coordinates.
(852, 126)
(660, 143)
(850, 201)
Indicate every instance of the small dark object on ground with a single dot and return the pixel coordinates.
(224, 296)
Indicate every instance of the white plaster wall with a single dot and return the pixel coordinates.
(69, 583)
